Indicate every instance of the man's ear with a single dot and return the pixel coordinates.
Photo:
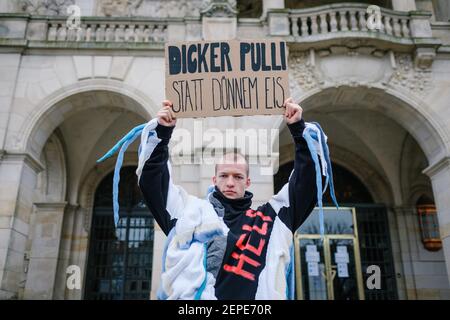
(248, 183)
(214, 180)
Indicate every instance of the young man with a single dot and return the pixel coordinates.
(252, 261)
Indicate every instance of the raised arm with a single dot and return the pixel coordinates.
(302, 183)
(295, 201)
(154, 181)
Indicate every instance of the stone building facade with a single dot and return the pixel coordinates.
(67, 95)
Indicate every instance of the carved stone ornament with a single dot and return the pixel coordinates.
(177, 8)
(304, 73)
(87, 218)
(406, 75)
(219, 8)
(46, 7)
(114, 8)
(149, 8)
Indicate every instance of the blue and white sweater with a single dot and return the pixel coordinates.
(221, 248)
(254, 248)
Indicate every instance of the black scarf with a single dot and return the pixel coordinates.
(232, 208)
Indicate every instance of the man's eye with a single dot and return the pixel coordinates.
(223, 176)
(239, 177)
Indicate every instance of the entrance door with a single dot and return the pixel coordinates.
(329, 268)
(120, 259)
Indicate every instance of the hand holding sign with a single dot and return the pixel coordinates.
(293, 112)
(166, 116)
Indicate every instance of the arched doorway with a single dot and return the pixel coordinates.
(67, 131)
(372, 222)
(120, 260)
(87, 119)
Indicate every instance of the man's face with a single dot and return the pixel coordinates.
(231, 178)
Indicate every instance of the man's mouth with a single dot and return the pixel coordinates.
(229, 192)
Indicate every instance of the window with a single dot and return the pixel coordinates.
(120, 260)
(372, 221)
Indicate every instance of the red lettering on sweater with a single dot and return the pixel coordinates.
(243, 244)
(252, 214)
(247, 246)
(239, 269)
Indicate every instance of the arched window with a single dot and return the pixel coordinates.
(120, 260)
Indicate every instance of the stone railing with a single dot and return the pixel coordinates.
(112, 30)
(53, 32)
(345, 25)
(347, 20)
(351, 17)
(318, 27)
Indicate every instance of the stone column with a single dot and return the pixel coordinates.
(439, 174)
(404, 5)
(394, 219)
(441, 10)
(77, 228)
(272, 4)
(219, 21)
(408, 252)
(9, 69)
(68, 236)
(219, 28)
(45, 237)
(18, 173)
(278, 20)
(420, 28)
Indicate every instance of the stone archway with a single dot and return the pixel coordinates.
(39, 131)
(40, 122)
(52, 179)
(88, 123)
(410, 113)
(407, 118)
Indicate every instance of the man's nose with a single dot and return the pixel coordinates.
(230, 181)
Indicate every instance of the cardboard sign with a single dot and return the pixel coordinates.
(226, 78)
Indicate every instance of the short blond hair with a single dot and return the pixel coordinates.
(236, 155)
